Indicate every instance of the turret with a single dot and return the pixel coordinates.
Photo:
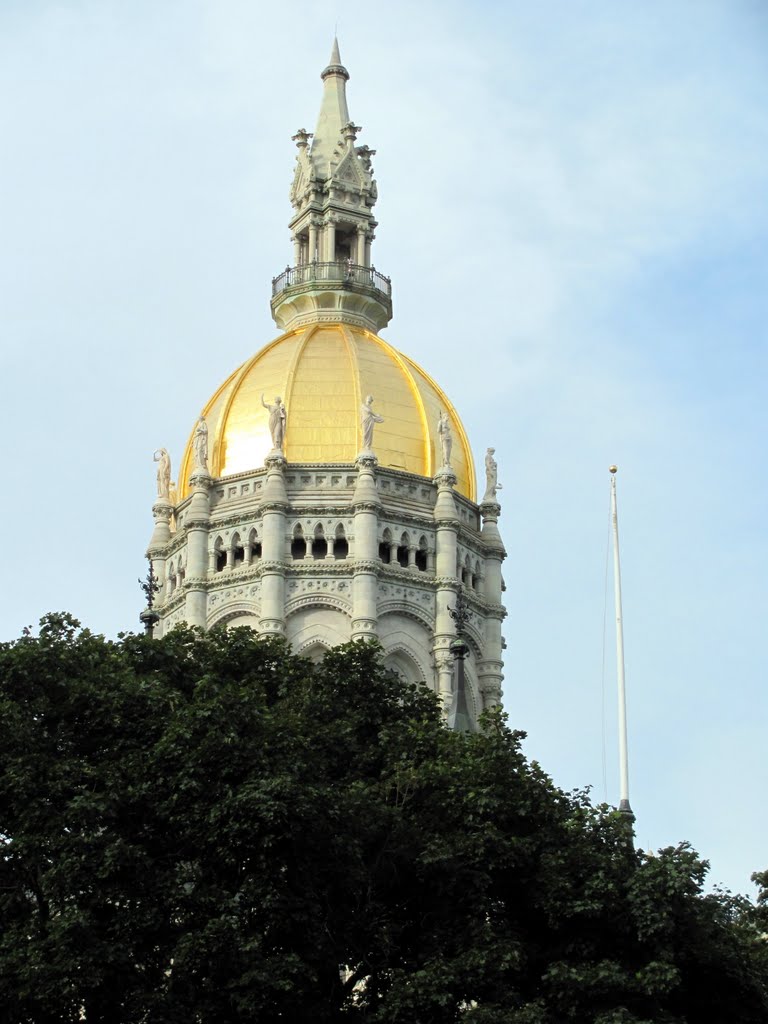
(332, 228)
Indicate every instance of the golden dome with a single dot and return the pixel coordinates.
(323, 373)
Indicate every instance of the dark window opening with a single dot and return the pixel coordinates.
(402, 556)
(319, 547)
(239, 555)
(421, 560)
(298, 548)
(255, 549)
(385, 553)
(340, 547)
(221, 560)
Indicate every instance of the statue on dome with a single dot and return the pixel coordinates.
(491, 476)
(367, 420)
(277, 421)
(163, 460)
(446, 437)
(200, 443)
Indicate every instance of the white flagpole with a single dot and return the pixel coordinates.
(623, 755)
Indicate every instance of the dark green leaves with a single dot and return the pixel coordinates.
(205, 828)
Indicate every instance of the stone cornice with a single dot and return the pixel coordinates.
(320, 511)
(320, 567)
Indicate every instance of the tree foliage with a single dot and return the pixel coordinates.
(205, 828)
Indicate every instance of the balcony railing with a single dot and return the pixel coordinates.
(344, 273)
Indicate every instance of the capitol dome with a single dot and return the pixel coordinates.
(323, 373)
(327, 492)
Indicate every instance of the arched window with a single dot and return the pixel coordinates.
(255, 546)
(402, 551)
(221, 555)
(319, 543)
(298, 544)
(340, 543)
(476, 575)
(385, 547)
(238, 551)
(421, 555)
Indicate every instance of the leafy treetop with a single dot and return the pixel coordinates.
(206, 828)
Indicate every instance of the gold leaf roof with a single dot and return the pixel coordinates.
(323, 373)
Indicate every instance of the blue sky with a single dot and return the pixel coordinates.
(573, 211)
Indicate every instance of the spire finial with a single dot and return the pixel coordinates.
(335, 67)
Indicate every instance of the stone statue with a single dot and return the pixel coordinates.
(446, 437)
(491, 471)
(200, 443)
(163, 460)
(277, 420)
(367, 420)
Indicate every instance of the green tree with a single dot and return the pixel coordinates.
(205, 828)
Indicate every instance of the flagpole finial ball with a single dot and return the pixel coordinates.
(613, 469)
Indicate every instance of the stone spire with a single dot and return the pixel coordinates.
(334, 113)
(333, 194)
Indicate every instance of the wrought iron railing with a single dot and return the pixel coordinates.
(343, 272)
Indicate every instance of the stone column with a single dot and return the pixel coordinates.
(490, 668)
(197, 523)
(412, 557)
(365, 580)
(361, 233)
(330, 238)
(448, 586)
(273, 509)
(313, 240)
(161, 538)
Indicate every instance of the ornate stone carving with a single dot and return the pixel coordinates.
(491, 476)
(277, 422)
(368, 418)
(200, 445)
(446, 437)
(163, 460)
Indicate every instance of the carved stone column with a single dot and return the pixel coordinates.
(330, 237)
(412, 557)
(197, 523)
(161, 537)
(273, 509)
(365, 580)
(490, 668)
(361, 240)
(446, 543)
(313, 224)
